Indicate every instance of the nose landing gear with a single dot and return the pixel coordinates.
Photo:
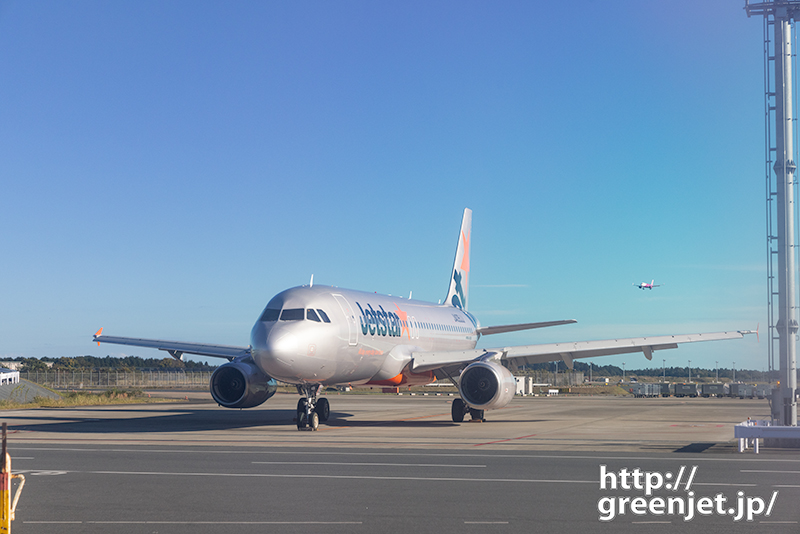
(310, 410)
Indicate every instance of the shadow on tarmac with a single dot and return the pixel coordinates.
(170, 420)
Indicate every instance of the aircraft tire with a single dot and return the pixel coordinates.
(313, 421)
(476, 415)
(301, 419)
(323, 408)
(302, 403)
(457, 410)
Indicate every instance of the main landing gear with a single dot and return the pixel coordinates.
(460, 409)
(311, 411)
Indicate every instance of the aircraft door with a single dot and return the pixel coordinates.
(350, 316)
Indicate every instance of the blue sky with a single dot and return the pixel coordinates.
(167, 167)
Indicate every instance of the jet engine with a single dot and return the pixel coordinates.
(486, 386)
(240, 384)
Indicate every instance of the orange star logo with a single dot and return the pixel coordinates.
(403, 321)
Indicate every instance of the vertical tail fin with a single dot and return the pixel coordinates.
(458, 292)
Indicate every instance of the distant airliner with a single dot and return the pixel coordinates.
(645, 285)
(315, 336)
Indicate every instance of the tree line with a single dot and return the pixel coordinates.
(679, 373)
(127, 363)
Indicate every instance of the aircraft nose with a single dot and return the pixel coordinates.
(277, 353)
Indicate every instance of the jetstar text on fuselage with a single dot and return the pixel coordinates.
(379, 322)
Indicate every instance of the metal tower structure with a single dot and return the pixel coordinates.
(779, 17)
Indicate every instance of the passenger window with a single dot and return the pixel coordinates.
(311, 315)
(270, 315)
(293, 314)
(324, 316)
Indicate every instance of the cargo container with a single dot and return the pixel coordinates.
(643, 389)
(712, 390)
(665, 389)
(762, 391)
(684, 389)
(743, 391)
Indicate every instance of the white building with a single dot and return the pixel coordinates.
(7, 376)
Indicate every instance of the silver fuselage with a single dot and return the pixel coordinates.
(367, 339)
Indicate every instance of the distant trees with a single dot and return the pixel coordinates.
(125, 363)
(32, 365)
(672, 373)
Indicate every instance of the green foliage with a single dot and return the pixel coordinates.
(32, 365)
(127, 363)
(675, 373)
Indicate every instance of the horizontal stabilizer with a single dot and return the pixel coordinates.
(487, 330)
(176, 348)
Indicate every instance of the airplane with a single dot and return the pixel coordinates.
(645, 285)
(315, 336)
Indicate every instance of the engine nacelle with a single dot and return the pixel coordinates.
(240, 384)
(486, 386)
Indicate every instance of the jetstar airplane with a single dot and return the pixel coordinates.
(315, 336)
(645, 285)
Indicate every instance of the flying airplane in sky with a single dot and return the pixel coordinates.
(315, 336)
(645, 285)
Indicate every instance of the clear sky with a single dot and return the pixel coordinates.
(166, 167)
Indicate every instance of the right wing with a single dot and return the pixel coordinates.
(177, 348)
(549, 352)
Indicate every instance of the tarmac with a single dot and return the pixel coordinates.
(396, 463)
(581, 423)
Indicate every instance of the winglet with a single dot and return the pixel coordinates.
(99, 333)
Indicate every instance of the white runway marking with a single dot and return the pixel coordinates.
(339, 477)
(432, 455)
(194, 522)
(765, 471)
(721, 484)
(365, 463)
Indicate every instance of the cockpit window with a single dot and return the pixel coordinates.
(311, 315)
(270, 315)
(293, 314)
(324, 316)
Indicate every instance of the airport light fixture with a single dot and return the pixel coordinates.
(623, 371)
(690, 371)
(664, 369)
(779, 17)
(716, 366)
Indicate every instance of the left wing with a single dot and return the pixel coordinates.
(177, 348)
(530, 354)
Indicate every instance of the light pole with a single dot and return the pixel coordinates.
(664, 368)
(690, 371)
(716, 366)
(623, 371)
(734, 371)
(590, 372)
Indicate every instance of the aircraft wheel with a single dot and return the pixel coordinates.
(301, 419)
(458, 410)
(476, 415)
(313, 421)
(323, 408)
(302, 403)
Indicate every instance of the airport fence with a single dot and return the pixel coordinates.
(569, 378)
(93, 379)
